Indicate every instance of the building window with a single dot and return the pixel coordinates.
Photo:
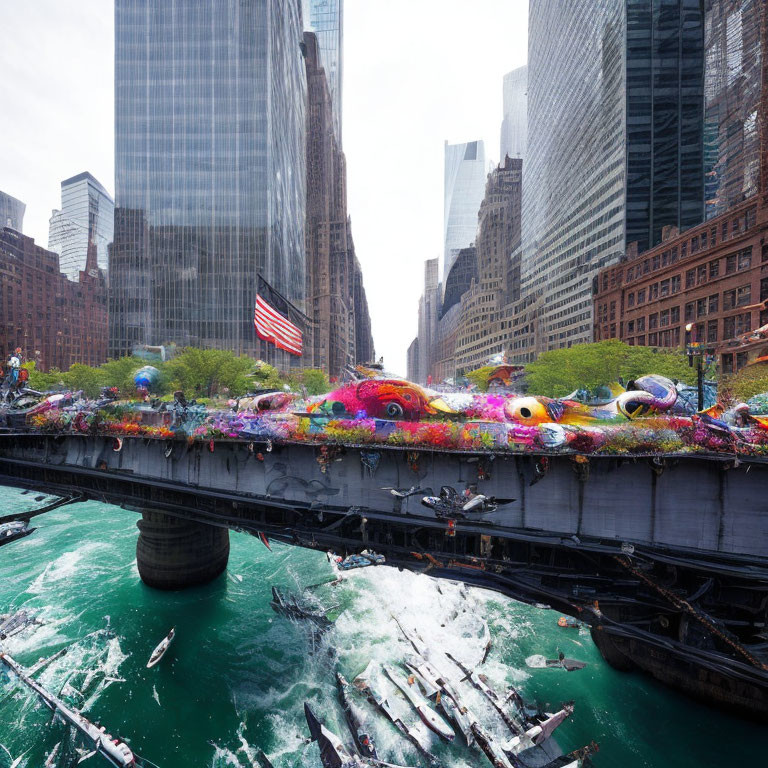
(676, 337)
(745, 258)
(641, 341)
(704, 240)
(701, 274)
(714, 269)
(664, 287)
(683, 249)
(714, 301)
(653, 321)
(729, 299)
(690, 278)
(743, 295)
(653, 292)
(676, 284)
(727, 360)
(724, 231)
(741, 360)
(641, 325)
(630, 326)
(694, 244)
(675, 315)
(711, 331)
(764, 289)
(713, 236)
(631, 299)
(630, 274)
(664, 318)
(690, 311)
(701, 307)
(641, 296)
(730, 264)
(653, 339)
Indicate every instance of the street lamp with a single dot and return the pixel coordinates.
(693, 347)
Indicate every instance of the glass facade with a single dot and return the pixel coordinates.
(11, 212)
(514, 126)
(326, 18)
(209, 170)
(464, 188)
(614, 145)
(732, 76)
(86, 216)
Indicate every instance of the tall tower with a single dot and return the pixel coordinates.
(86, 218)
(326, 17)
(615, 148)
(514, 126)
(464, 187)
(11, 212)
(209, 170)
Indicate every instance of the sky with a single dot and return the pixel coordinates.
(416, 73)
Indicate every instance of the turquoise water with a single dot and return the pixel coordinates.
(237, 675)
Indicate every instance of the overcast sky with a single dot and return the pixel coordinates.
(416, 72)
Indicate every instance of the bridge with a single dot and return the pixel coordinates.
(665, 557)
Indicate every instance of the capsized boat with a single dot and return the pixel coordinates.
(13, 623)
(16, 529)
(537, 734)
(162, 647)
(360, 733)
(264, 761)
(363, 560)
(569, 665)
(333, 754)
(431, 719)
(289, 606)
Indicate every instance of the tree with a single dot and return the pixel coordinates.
(209, 372)
(313, 380)
(84, 377)
(749, 381)
(559, 372)
(480, 376)
(120, 372)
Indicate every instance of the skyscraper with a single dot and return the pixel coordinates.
(464, 187)
(326, 17)
(11, 212)
(514, 126)
(615, 102)
(209, 170)
(87, 216)
(733, 94)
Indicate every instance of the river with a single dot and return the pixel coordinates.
(237, 675)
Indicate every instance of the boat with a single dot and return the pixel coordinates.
(360, 733)
(363, 560)
(115, 751)
(13, 623)
(16, 529)
(568, 622)
(569, 665)
(161, 649)
(264, 761)
(51, 759)
(537, 734)
(333, 754)
(289, 606)
(416, 733)
(431, 719)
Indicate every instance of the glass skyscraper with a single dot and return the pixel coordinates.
(514, 127)
(87, 216)
(615, 106)
(326, 17)
(464, 188)
(11, 212)
(209, 170)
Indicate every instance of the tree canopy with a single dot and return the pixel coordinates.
(587, 366)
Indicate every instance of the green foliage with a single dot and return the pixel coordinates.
(749, 381)
(480, 376)
(209, 372)
(120, 372)
(266, 376)
(587, 366)
(43, 382)
(313, 380)
(84, 377)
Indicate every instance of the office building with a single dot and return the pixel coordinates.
(514, 126)
(11, 212)
(209, 171)
(55, 321)
(615, 147)
(464, 186)
(326, 18)
(87, 216)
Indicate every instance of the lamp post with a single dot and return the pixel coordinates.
(693, 347)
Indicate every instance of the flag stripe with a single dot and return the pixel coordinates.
(289, 328)
(273, 327)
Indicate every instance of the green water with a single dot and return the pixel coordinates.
(237, 675)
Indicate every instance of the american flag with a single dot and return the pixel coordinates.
(276, 328)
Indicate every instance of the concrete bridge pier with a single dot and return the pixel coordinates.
(173, 553)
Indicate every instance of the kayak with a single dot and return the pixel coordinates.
(159, 652)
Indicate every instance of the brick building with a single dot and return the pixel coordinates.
(55, 321)
(336, 300)
(714, 277)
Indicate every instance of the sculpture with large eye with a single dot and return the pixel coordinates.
(394, 410)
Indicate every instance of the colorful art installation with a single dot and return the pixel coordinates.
(646, 419)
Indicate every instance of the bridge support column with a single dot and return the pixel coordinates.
(172, 553)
